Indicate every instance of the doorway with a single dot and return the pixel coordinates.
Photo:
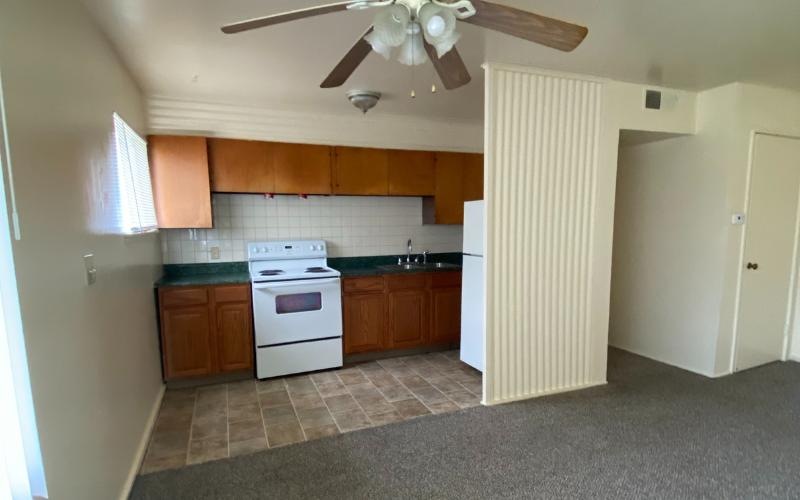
(770, 252)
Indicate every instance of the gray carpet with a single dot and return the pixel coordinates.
(653, 432)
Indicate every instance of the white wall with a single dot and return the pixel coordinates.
(93, 351)
(352, 226)
(677, 257)
(167, 115)
(565, 309)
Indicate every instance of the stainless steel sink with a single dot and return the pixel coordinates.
(413, 266)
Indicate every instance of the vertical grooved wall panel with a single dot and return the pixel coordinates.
(542, 140)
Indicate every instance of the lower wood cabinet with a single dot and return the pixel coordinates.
(364, 322)
(401, 311)
(205, 330)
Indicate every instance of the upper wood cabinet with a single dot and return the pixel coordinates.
(448, 202)
(412, 173)
(181, 187)
(473, 177)
(240, 166)
(302, 168)
(360, 171)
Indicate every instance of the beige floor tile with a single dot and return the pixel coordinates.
(204, 450)
(383, 380)
(278, 415)
(427, 370)
(275, 384)
(165, 444)
(374, 403)
(203, 428)
(244, 430)
(173, 422)
(242, 398)
(247, 411)
(284, 433)
(474, 387)
(366, 389)
(445, 384)
(351, 420)
(308, 401)
(443, 407)
(218, 409)
(464, 398)
(385, 417)
(254, 445)
(352, 377)
(332, 389)
(429, 395)
(396, 393)
(299, 386)
(324, 377)
(275, 398)
(321, 432)
(341, 403)
(156, 464)
(414, 382)
(315, 417)
(410, 408)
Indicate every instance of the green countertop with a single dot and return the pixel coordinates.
(228, 273)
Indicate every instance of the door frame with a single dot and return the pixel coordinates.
(793, 284)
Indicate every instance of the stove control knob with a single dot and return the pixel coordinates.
(264, 249)
(256, 250)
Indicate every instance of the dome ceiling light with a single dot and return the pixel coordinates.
(422, 30)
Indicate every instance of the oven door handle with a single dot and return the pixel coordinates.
(292, 284)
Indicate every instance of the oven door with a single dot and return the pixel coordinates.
(296, 311)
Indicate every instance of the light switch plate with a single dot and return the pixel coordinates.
(91, 271)
(214, 253)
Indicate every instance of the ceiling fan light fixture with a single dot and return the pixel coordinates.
(378, 45)
(412, 52)
(391, 25)
(439, 22)
(363, 99)
(445, 44)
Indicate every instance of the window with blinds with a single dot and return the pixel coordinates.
(136, 212)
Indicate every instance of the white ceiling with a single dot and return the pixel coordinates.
(175, 48)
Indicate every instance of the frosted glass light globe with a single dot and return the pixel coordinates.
(436, 26)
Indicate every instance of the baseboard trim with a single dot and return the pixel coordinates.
(794, 358)
(670, 363)
(542, 394)
(143, 442)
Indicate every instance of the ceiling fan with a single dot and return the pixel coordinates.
(425, 30)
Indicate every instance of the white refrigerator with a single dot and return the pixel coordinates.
(473, 287)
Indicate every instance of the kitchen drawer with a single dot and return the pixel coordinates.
(446, 280)
(183, 296)
(407, 281)
(365, 284)
(238, 293)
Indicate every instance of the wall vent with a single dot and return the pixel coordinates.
(652, 99)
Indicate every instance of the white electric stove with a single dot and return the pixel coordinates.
(297, 307)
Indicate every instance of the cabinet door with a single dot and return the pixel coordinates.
(234, 337)
(448, 204)
(445, 315)
(361, 171)
(240, 166)
(364, 322)
(302, 168)
(411, 173)
(473, 177)
(408, 318)
(186, 342)
(181, 188)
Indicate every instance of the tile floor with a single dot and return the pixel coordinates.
(219, 421)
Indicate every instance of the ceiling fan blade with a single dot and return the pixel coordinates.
(547, 31)
(261, 22)
(349, 63)
(450, 67)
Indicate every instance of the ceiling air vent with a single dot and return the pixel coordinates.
(652, 99)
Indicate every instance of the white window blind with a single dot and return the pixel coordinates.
(136, 212)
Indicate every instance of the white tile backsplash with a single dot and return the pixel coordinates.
(351, 225)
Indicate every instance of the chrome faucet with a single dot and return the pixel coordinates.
(425, 256)
(408, 255)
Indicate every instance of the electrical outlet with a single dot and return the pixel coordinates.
(91, 271)
(215, 253)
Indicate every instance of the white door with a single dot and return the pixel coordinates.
(764, 308)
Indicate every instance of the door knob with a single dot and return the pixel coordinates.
(752, 265)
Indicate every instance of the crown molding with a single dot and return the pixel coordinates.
(177, 116)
